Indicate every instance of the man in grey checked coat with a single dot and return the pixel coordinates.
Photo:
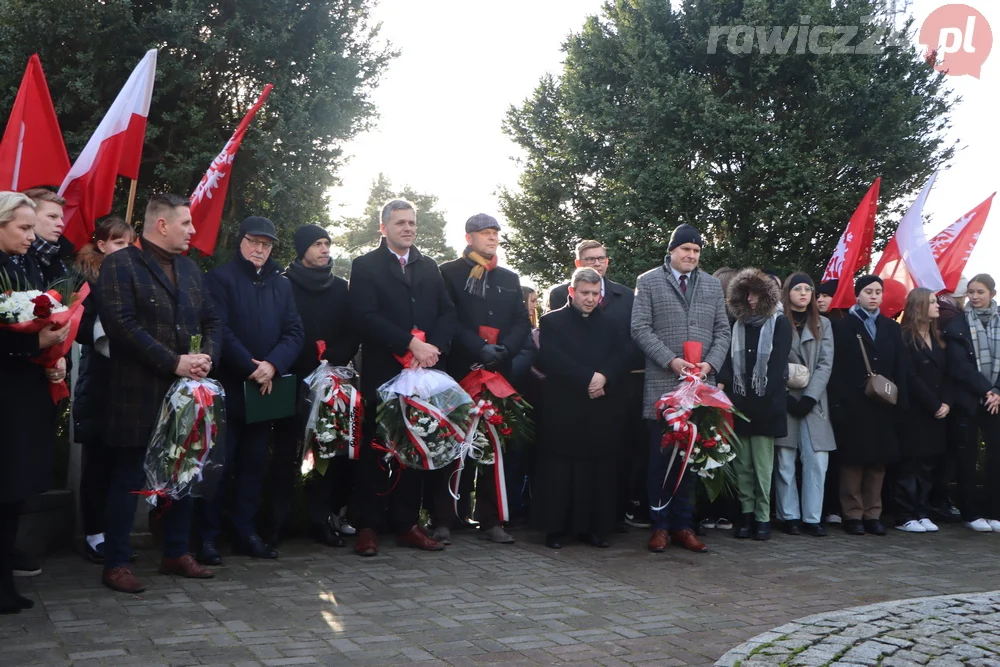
(675, 303)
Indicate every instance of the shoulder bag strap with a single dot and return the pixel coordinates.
(864, 354)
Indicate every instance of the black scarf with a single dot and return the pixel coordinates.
(310, 279)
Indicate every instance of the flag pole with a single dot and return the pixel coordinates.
(131, 202)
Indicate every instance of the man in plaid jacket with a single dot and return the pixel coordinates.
(675, 303)
(152, 302)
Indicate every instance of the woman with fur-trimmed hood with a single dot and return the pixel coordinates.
(754, 376)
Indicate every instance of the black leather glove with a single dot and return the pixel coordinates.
(792, 404)
(491, 354)
(803, 407)
(503, 354)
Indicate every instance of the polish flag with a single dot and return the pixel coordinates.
(114, 150)
(209, 198)
(908, 258)
(953, 246)
(854, 250)
(32, 152)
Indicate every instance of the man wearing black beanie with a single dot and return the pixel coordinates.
(321, 300)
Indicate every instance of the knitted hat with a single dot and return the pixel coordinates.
(865, 281)
(828, 287)
(306, 235)
(798, 279)
(481, 221)
(685, 233)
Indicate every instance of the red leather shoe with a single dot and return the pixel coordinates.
(417, 539)
(122, 580)
(185, 566)
(659, 542)
(686, 538)
(367, 544)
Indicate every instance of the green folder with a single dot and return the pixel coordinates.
(280, 403)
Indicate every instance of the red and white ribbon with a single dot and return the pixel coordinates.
(423, 451)
(343, 397)
(483, 411)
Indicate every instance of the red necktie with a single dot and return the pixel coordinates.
(684, 285)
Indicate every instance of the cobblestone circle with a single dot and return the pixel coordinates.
(946, 631)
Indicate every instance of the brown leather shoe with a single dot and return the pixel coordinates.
(659, 542)
(686, 538)
(122, 580)
(367, 544)
(185, 566)
(417, 539)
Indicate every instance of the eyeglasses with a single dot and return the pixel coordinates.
(254, 243)
(594, 260)
(802, 288)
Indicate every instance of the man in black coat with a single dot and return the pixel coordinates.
(261, 339)
(616, 302)
(490, 307)
(395, 291)
(321, 299)
(152, 301)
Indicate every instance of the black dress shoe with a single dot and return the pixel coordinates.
(254, 547)
(325, 535)
(94, 554)
(854, 527)
(743, 531)
(594, 540)
(814, 529)
(792, 527)
(874, 527)
(553, 541)
(208, 554)
(763, 532)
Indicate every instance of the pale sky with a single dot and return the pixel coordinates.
(463, 63)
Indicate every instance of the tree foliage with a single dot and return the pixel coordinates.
(361, 234)
(215, 56)
(768, 154)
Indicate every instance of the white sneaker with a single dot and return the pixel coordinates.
(994, 524)
(912, 526)
(929, 525)
(979, 525)
(832, 518)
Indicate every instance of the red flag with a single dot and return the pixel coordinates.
(854, 250)
(953, 246)
(114, 150)
(209, 198)
(32, 152)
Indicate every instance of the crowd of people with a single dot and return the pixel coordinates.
(837, 401)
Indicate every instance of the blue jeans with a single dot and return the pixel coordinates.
(129, 475)
(814, 466)
(677, 515)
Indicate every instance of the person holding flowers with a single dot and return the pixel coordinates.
(152, 303)
(493, 327)
(26, 407)
(754, 376)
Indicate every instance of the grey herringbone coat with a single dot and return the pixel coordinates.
(663, 319)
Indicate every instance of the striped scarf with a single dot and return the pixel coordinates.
(476, 282)
(985, 339)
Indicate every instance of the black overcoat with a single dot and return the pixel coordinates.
(929, 386)
(969, 385)
(767, 413)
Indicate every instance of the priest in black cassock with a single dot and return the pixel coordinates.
(585, 359)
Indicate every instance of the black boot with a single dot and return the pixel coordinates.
(745, 528)
(763, 532)
(792, 527)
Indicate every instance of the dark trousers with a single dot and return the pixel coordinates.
(286, 461)
(633, 454)
(987, 427)
(518, 468)
(95, 480)
(912, 489)
(10, 517)
(677, 515)
(129, 475)
(244, 473)
(943, 468)
(831, 493)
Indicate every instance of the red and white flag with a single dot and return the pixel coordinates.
(854, 250)
(209, 198)
(114, 150)
(32, 152)
(907, 257)
(954, 245)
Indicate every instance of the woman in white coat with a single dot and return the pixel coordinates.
(810, 433)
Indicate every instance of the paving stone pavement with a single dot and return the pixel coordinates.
(939, 631)
(478, 603)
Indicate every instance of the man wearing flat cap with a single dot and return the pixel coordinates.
(321, 299)
(493, 326)
(261, 339)
(676, 303)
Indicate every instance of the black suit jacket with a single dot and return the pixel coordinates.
(503, 309)
(617, 306)
(386, 305)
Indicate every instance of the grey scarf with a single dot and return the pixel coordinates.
(985, 339)
(738, 351)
